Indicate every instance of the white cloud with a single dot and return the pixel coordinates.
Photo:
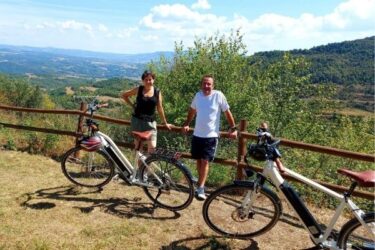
(201, 4)
(178, 21)
(102, 28)
(45, 25)
(127, 32)
(165, 24)
(150, 38)
(74, 25)
(353, 14)
(362, 9)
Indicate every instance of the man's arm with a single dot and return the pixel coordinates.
(189, 118)
(232, 124)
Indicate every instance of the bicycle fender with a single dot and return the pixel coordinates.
(185, 168)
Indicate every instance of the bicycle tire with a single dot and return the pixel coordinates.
(222, 211)
(176, 191)
(353, 235)
(87, 169)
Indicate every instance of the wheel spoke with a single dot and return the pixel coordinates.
(227, 211)
(90, 169)
(172, 187)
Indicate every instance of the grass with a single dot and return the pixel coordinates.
(40, 209)
(351, 112)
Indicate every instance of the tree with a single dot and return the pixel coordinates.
(20, 93)
(223, 57)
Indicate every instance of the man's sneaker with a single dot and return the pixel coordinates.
(200, 195)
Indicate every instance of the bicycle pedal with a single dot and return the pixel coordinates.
(116, 177)
(140, 183)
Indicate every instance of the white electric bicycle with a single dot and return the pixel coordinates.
(246, 209)
(96, 158)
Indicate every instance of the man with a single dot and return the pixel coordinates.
(207, 105)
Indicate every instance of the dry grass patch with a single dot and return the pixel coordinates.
(40, 209)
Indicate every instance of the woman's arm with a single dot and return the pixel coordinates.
(161, 111)
(129, 93)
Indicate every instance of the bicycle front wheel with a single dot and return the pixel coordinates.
(169, 185)
(88, 169)
(228, 211)
(354, 235)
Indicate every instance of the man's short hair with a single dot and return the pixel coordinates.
(208, 76)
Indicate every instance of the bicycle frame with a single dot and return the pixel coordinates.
(272, 173)
(127, 170)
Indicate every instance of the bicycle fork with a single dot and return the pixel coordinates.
(250, 197)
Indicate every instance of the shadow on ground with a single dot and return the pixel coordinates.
(121, 207)
(206, 242)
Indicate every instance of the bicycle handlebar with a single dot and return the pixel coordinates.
(94, 105)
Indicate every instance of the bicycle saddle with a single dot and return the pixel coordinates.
(364, 178)
(144, 135)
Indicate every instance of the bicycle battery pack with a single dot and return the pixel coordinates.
(301, 209)
(117, 160)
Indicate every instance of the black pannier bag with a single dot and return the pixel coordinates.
(259, 151)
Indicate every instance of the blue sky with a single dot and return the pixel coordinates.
(143, 26)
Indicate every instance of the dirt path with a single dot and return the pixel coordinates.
(40, 209)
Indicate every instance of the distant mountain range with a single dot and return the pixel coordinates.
(21, 60)
(344, 63)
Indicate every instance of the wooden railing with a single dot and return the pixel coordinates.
(241, 148)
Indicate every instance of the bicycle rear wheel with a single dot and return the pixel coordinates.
(354, 235)
(170, 185)
(88, 169)
(224, 211)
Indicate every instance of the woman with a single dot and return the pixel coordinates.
(148, 99)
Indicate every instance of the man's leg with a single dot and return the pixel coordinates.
(203, 168)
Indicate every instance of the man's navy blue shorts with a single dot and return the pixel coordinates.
(203, 148)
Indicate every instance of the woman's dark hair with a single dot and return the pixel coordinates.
(147, 73)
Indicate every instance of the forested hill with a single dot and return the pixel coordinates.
(344, 63)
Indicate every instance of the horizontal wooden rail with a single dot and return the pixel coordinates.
(337, 188)
(235, 163)
(44, 130)
(320, 149)
(45, 111)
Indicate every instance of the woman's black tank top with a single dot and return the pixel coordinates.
(145, 106)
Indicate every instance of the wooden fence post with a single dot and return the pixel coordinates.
(241, 150)
(82, 108)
